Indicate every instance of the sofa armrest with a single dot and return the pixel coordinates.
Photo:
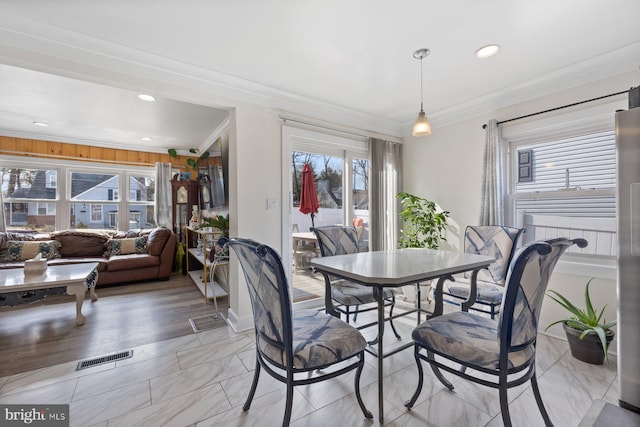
(167, 255)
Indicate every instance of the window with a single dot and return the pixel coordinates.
(112, 194)
(569, 191)
(75, 195)
(96, 213)
(29, 199)
(52, 179)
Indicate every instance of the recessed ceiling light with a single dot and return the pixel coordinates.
(145, 97)
(43, 124)
(487, 51)
(145, 138)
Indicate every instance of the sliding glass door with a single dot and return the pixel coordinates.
(340, 169)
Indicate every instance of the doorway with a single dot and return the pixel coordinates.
(337, 164)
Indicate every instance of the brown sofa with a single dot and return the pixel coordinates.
(122, 257)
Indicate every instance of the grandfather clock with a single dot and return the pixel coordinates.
(185, 195)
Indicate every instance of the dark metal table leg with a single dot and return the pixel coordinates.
(378, 291)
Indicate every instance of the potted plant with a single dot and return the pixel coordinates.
(191, 161)
(423, 223)
(221, 249)
(588, 333)
(424, 226)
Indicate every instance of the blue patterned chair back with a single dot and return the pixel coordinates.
(495, 241)
(337, 240)
(526, 285)
(268, 291)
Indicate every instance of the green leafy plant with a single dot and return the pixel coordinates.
(191, 161)
(589, 320)
(424, 224)
(220, 222)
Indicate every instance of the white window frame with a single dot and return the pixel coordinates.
(64, 169)
(307, 140)
(587, 120)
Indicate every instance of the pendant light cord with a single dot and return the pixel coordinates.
(421, 89)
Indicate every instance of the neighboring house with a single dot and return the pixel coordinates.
(91, 194)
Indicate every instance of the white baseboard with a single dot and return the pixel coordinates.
(239, 324)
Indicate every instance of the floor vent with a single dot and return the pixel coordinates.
(204, 323)
(83, 364)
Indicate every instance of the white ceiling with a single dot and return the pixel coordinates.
(349, 62)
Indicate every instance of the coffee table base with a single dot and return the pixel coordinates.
(79, 290)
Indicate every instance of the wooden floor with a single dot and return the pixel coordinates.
(44, 333)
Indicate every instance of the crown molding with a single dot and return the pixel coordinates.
(41, 46)
(45, 47)
(597, 68)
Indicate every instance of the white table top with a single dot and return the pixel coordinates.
(304, 235)
(400, 266)
(14, 279)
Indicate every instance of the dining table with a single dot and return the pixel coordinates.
(394, 269)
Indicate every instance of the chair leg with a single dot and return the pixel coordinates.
(365, 411)
(409, 403)
(287, 409)
(347, 312)
(536, 393)
(355, 314)
(254, 385)
(437, 372)
(504, 402)
(393, 304)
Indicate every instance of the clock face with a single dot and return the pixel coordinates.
(181, 196)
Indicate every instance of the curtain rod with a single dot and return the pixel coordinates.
(285, 119)
(484, 126)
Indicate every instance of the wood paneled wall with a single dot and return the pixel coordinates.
(87, 153)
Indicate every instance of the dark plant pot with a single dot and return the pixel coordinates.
(588, 349)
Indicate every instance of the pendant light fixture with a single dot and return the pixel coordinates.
(421, 127)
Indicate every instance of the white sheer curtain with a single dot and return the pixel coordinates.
(386, 182)
(164, 203)
(493, 177)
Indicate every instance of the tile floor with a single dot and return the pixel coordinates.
(202, 380)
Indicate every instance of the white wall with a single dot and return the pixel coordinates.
(446, 167)
(254, 176)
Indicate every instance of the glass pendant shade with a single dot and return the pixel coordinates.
(421, 127)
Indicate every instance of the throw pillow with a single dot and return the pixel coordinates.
(134, 245)
(15, 250)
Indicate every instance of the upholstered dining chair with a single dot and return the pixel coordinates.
(291, 344)
(482, 290)
(342, 240)
(504, 348)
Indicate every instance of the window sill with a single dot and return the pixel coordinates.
(598, 267)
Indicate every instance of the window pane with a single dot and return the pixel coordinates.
(327, 173)
(141, 216)
(94, 215)
(584, 162)
(28, 184)
(142, 189)
(570, 191)
(93, 186)
(23, 191)
(360, 198)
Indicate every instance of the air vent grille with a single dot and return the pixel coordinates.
(83, 364)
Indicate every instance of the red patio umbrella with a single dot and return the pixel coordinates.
(308, 195)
